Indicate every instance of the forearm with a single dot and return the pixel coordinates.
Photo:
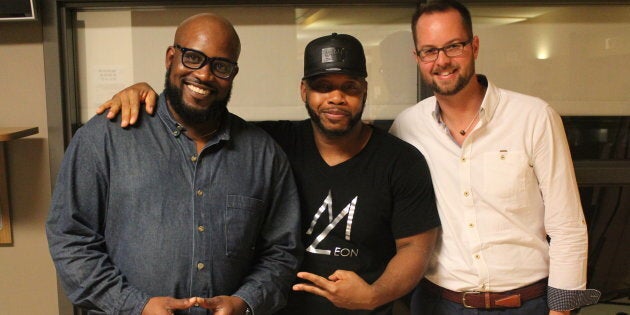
(564, 219)
(279, 248)
(75, 232)
(405, 269)
(85, 270)
(266, 289)
(89, 279)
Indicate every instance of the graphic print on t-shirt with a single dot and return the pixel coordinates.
(348, 211)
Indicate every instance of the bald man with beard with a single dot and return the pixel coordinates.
(193, 210)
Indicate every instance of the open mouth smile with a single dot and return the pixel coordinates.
(198, 90)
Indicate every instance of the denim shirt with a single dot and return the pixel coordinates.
(137, 213)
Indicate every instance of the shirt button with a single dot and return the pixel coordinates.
(502, 156)
(200, 266)
(477, 256)
(463, 159)
(199, 193)
(466, 194)
(471, 225)
(201, 228)
(193, 158)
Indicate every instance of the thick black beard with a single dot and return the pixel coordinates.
(334, 133)
(216, 112)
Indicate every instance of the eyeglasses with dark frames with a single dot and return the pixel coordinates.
(193, 59)
(451, 50)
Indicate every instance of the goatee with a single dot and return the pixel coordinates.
(334, 133)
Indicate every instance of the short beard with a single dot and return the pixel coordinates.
(334, 133)
(215, 112)
(462, 81)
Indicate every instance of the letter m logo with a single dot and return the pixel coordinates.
(348, 211)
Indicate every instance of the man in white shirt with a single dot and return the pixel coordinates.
(504, 184)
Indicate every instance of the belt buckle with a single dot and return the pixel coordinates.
(464, 294)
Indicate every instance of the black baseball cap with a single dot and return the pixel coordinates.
(332, 54)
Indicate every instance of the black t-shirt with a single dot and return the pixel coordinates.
(353, 212)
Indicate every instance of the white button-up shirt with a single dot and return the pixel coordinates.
(509, 186)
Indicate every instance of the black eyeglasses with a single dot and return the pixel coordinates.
(452, 50)
(193, 59)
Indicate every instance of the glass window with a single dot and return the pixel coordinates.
(576, 57)
(117, 48)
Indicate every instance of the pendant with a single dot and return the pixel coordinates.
(462, 132)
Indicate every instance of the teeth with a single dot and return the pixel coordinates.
(197, 90)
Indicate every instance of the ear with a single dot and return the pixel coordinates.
(170, 54)
(414, 54)
(235, 73)
(303, 88)
(475, 46)
(366, 94)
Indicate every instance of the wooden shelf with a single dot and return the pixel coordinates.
(8, 134)
(13, 133)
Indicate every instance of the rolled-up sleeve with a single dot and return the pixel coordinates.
(564, 218)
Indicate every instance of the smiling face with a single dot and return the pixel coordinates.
(446, 75)
(196, 95)
(334, 102)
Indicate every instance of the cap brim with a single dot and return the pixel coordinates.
(335, 71)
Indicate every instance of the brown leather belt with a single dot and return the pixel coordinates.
(489, 300)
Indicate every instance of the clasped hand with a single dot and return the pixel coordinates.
(343, 288)
(220, 305)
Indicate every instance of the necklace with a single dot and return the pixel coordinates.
(464, 131)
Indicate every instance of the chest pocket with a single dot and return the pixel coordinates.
(507, 176)
(242, 223)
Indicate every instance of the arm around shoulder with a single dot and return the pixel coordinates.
(128, 101)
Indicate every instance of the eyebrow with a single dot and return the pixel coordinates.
(453, 41)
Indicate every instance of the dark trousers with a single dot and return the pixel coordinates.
(425, 303)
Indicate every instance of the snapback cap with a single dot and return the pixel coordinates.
(334, 54)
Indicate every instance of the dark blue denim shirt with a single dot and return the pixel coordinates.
(137, 213)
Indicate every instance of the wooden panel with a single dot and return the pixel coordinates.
(5, 216)
(7, 134)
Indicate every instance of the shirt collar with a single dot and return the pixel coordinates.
(176, 129)
(490, 101)
(488, 105)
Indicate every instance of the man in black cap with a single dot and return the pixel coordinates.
(368, 212)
